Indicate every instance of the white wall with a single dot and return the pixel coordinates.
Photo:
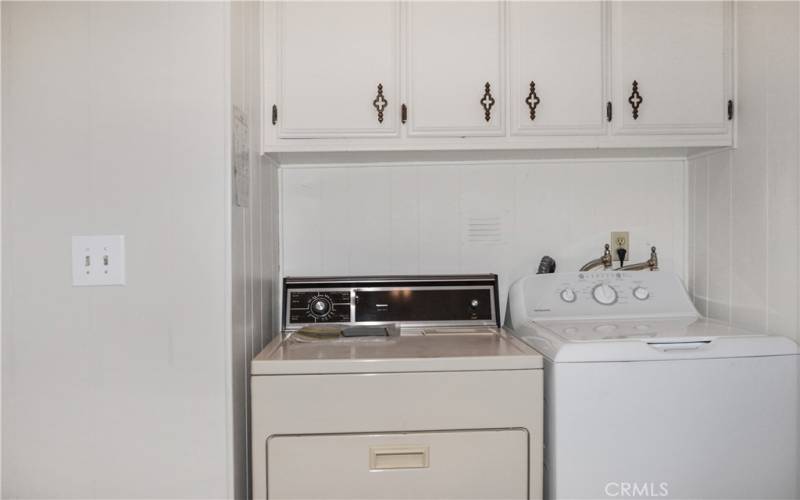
(254, 236)
(115, 120)
(1, 255)
(744, 203)
(427, 218)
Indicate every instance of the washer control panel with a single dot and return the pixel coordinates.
(604, 293)
(413, 300)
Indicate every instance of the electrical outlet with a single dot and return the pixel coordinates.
(620, 239)
(98, 260)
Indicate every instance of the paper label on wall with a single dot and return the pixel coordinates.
(241, 158)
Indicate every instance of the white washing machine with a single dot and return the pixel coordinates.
(396, 387)
(645, 398)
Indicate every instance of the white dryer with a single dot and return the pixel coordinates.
(396, 387)
(645, 398)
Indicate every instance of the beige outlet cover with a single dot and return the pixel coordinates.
(620, 239)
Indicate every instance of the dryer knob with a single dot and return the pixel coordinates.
(320, 306)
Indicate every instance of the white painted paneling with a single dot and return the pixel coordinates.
(370, 204)
(700, 208)
(439, 234)
(690, 223)
(718, 231)
(254, 238)
(481, 217)
(486, 220)
(1, 260)
(254, 301)
(749, 247)
(404, 215)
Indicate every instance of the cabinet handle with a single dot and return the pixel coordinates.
(635, 99)
(730, 109)
(487, 101)
(609, 113)
(403, 114)
(274, 114)
(380, 103)
(532, 100)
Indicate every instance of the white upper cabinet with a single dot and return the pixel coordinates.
(422, 75)
(556, 68)
(671, 65)
(333, 59)
(454, 68)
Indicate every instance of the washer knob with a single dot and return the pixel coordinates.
(641, 293)
(568, 295)
(604, 294)
(605, 328)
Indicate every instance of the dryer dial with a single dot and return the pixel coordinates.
(320, 306)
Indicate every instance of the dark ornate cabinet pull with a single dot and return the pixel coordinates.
(635, 99)
(380, 103)
(730, 110)
(487, 101)
(403, 113)
(274, 114)
(532, 100)
(608, 111)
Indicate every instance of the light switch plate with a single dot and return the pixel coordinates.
(98, 260)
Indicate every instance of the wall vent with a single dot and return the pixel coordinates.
(488, 229)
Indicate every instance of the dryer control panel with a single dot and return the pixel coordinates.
(405, 300)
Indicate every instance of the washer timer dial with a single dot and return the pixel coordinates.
(568, 295)
(604, 294)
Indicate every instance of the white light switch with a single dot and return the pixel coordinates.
(98, 260)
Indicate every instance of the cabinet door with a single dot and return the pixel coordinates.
(455, 465)
(557, 67)
(454, 51)
(332, 58)
(673, 60)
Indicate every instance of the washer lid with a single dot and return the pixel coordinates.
(644, 339)
(438, 349)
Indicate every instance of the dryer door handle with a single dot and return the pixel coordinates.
(398, 457)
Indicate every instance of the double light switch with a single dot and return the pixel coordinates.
(98, 260)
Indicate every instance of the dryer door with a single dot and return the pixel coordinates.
(468, 464)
